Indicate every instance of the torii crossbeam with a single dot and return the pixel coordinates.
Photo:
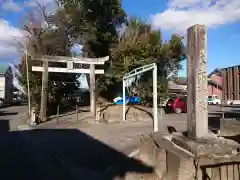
(70, 61)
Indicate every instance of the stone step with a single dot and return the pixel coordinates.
(140, 176)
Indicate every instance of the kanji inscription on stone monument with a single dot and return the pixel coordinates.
(197, 115)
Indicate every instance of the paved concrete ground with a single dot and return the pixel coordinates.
(14, 115)
(72, 149)
(58, 154)
(87, 150)
(19, 158)
(121, 136)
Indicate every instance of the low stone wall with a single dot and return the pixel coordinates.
(113, 113)
(175, 161)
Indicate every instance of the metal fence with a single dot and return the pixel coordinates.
(225, 171)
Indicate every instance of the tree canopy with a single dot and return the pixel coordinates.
(103, 28)
(45, 39)
(137, 46)
(94, 24)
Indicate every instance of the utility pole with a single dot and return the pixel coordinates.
(44, 94)
(28, 86)
(155, 100)
(92, 89)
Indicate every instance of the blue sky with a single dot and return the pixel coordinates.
(223, 40)
(220, 16)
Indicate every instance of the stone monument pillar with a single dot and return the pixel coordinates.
(200, 155)
(197, 113)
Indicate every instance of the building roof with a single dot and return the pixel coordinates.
(181, 81)
(172, 85)
(3, 68)
(215, 84)
(216, 71)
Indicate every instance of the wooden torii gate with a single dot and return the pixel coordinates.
(70, 69)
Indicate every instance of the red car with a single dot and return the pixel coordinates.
(177, 105)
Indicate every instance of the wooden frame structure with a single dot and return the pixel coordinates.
(150, 67)
(70, 69)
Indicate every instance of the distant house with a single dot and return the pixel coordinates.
(6, 83)
(215, 82)
(177, 87)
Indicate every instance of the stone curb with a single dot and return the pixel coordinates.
(113, 166)
(25, 127)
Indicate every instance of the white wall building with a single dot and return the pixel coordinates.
(6, 83)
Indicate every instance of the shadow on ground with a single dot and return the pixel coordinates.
(6, 113)
(234, 138)
(230, 114)
(60, 154)
(4, 126)
(214, 123)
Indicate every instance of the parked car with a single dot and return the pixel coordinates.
(214, 99)
(16, 99)
(176, 105)
(233, 102)
(1, 102)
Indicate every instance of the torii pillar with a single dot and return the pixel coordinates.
(197, 112)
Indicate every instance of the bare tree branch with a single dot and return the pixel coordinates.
(57, 3)
(21, 45)
(35, 26)
(42, 9)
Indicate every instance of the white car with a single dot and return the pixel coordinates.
(233, 102)
(214, 99)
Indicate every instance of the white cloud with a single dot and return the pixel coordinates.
(7, 53)
(10, 37)
(34, 2)
(51, 5)
(182, 14)
(10, 5)
(8, 31)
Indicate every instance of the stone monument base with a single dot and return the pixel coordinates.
(177, 157)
